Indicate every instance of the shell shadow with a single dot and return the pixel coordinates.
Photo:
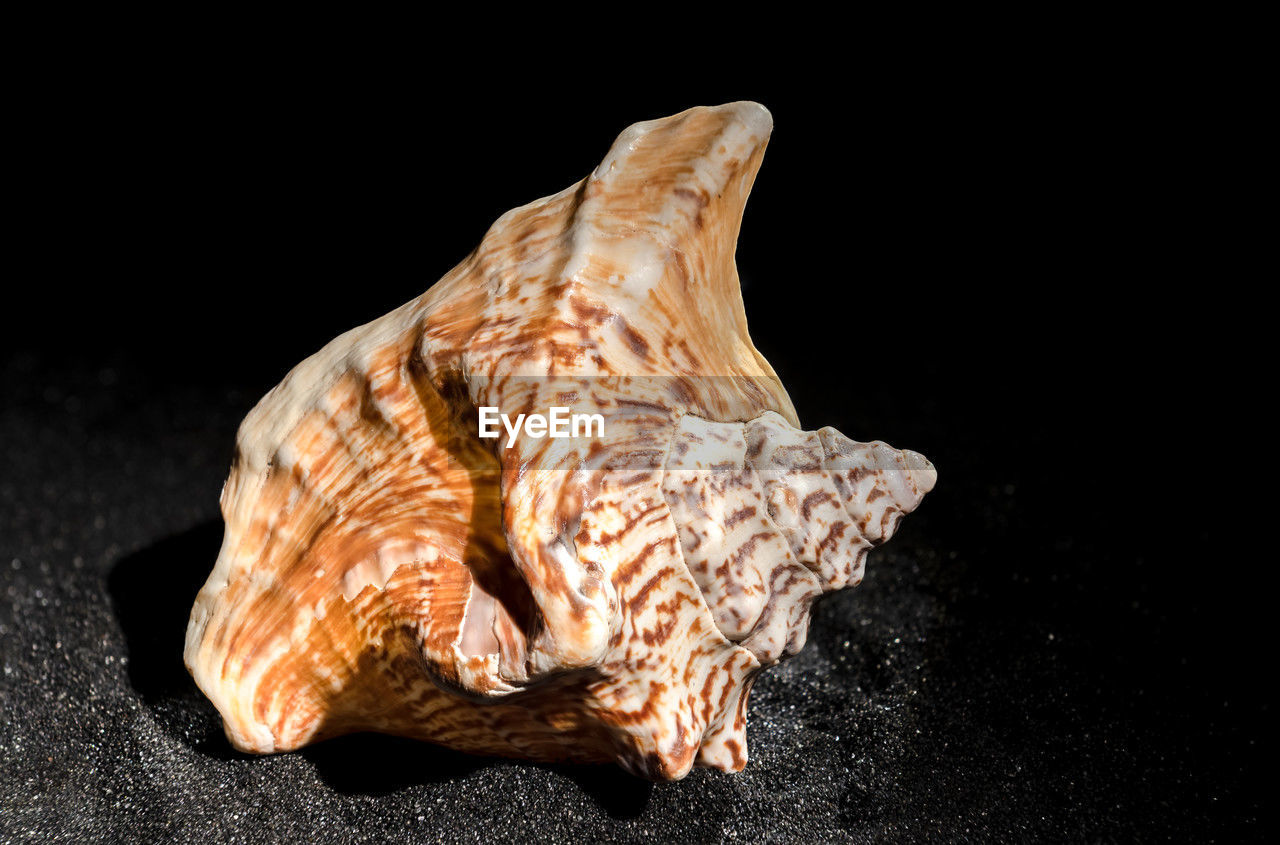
(621, 795)
(377, 764)
(152, 591)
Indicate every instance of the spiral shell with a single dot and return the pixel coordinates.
(602, 597)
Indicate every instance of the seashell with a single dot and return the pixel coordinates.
(606, 597)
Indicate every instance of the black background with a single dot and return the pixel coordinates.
(1017, 262)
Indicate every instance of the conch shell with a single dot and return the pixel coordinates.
(591, 598)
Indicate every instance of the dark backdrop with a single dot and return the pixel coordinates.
(984, 257)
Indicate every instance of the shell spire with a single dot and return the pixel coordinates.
(603, 596)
